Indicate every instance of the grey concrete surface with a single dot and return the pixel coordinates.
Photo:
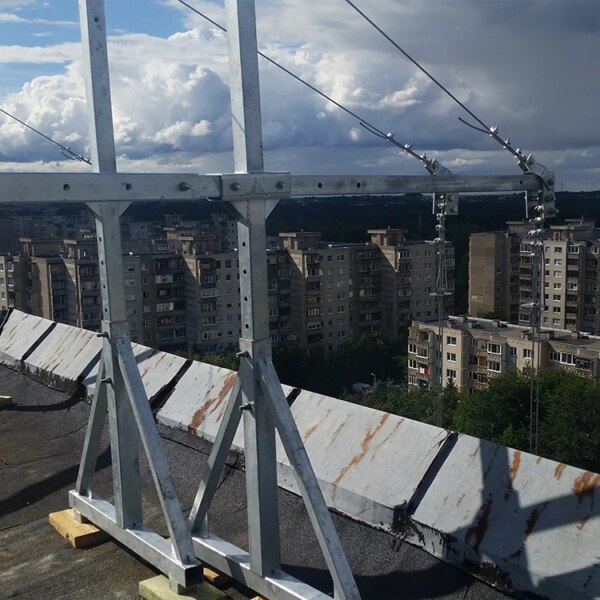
(41, 437)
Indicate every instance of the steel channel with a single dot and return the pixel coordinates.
(336, 185)
(93, 435)
(123, 445)
(142, 541)
(157, 461)
(343, 580)
(106, 187)
(213, 470)
(259, 428)
(235, 562)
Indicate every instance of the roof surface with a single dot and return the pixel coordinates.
(41, 437)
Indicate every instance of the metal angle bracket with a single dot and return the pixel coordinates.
(248, 186)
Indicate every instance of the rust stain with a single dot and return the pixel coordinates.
(536, 513)
(559, 471)
(582, 523)
(364, 447)
(516, 463)
(474, 453)
(514, 469)
(201, 414)
(309, 431)
(461, 498)
(538, 460)
(476, 533)
(336, 432)
(585, 485)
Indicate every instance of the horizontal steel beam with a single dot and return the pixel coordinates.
(233, 561)
(339, 185)
(142, 541)
(106, 187)
(140, 187)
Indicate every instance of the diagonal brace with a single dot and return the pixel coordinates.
(182, 541)
(213, 470)
(343, 581)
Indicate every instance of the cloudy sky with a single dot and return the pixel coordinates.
(531, 67)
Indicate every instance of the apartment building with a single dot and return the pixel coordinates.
(11, 283)
(475, 350)
(183, 290)
(501, 273)
(408, 279)
(494, 274)
(345, 291)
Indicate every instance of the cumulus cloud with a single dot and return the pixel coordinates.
(527, 67)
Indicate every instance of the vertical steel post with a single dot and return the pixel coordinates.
(123, 433)
(119, 382)
(259, 428)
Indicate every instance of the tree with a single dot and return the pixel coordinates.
(570, 432)
(500, 412)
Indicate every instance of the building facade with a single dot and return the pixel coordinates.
(183, 290)
(475, 350)
(501, 274)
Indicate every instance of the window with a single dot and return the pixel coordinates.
(557, 286)
(557, 273)
(450, 373)
(494, 348)
(130, 283)
(527, 352)
(473, 342)
(451, 356)
(555, 356)
(557, 262)
(567, 359)
(556, 309)
(494, 366)
(412, 348)
(558, 249)
(451, 340)
(513, 351)
(556, 297)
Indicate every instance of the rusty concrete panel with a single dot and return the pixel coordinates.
(528, 523)
(64, 356)
(368, 462)
(198, 402)
(157, 369)
(20, 332)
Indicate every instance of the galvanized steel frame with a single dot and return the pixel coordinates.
(257, 395)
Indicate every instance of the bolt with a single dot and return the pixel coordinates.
(236, 187)
(107, 380)
(246, 406)
(184, 187)
(280, 185)
(66, 187)
(243, 354)
(104, 334)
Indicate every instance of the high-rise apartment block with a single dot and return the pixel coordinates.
(475, 350)
(501, 272)
(182, 289)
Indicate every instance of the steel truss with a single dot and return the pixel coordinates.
(257, 396)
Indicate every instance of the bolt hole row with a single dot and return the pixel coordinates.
(358, 185)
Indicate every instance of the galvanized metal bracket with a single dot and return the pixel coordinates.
(249, 186)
